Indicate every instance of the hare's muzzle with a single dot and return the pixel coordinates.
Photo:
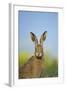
(39, 55)
(39, 51)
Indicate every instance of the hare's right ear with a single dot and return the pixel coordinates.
(43, 37)
(34, 38)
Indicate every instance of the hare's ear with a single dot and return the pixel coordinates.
(43, 37)
(34, 38)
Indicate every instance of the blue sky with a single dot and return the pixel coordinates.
(38, 22)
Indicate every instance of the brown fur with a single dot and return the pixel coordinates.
(31, 69)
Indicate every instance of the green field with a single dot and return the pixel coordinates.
(50, 64)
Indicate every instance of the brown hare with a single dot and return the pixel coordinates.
(34, 66)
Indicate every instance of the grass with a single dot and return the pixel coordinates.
(50, 64)
(23, 57)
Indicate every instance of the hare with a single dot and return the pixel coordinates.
(34, 66)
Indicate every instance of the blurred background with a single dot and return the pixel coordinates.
(38, 22)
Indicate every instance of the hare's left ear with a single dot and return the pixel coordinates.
(43, 37)
(34, 38)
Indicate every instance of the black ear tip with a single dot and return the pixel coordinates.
(45, 32)
(30, 32)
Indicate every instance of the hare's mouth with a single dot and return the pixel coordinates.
(39, 57)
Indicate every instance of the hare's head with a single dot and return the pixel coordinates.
(38, 46)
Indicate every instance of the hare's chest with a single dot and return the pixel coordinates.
(36, 68)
